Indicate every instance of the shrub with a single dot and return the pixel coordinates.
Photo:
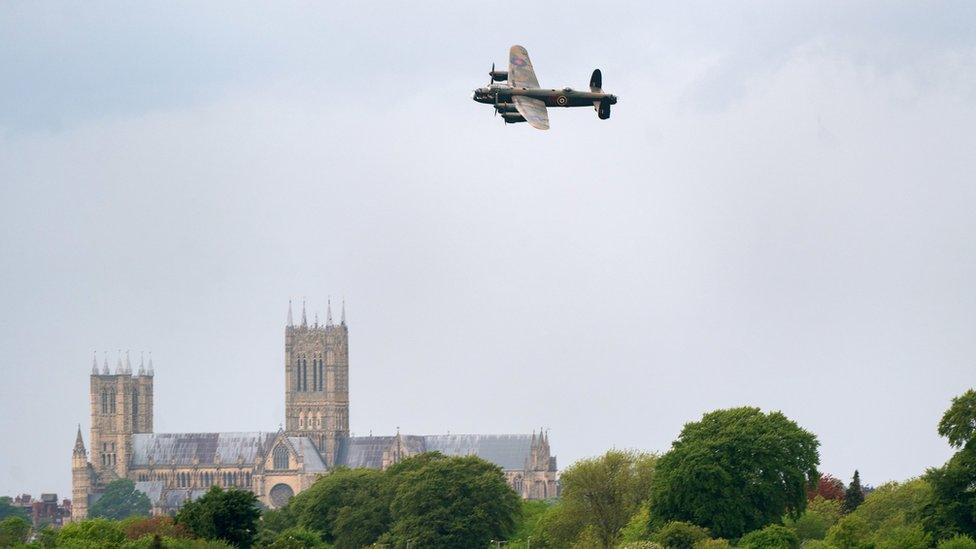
(680, 535)
(773, 536)
(958, 542)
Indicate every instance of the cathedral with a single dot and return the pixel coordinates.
(171, 468)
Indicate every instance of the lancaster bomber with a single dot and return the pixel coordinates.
(518, 97)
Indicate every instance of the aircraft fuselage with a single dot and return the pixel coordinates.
(565, 97)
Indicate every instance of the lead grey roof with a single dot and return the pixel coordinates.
(198, 448)
(368, 451)
(152, 488)
(310, 455)
(509, 452)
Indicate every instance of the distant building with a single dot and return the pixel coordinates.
(44, 511)
(172, 468)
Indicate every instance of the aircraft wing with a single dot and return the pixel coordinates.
(533, 111)
(520, 72)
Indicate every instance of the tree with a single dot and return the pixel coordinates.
(952, 509)
(8, 509)
(735, 471)
(559, 526)
(229, 516)
(819, 516)
(889, 517)
(854, 495)
(828, 487)
(606, 491)
(120, 500)
(851, 532)
(532, 513)
(958, 424)
(13, 530)
(773, 536)
(451, 502)
(349, 507)
(681, 535)
(93, 533)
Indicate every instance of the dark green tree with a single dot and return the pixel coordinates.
(773, 536)
(229, 516)
(13, 530)
(958, 424)
(854, 495)
(451, 502)
(735, 471)
(8, 509)
(952, 509)
(348, 508)
(120, 500)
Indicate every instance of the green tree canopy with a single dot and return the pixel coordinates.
(958, 424)
(773, 536)
(229, 516)
(958, 542)
(13, 530)
(93, 533)
(605, 492)
(952, 509)
(819, 516)
(348, 507)
(735, 471)
(681, 535)
(889, 515)
(457, 502)
(120, 500)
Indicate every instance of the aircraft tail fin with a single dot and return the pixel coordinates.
(602, 108)
(596, 81)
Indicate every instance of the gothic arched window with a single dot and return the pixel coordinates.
(104, 401)
(280, 456)
(111, 402)
(321, 374)
(315, 374)
(135, 408)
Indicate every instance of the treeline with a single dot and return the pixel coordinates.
(736, 478)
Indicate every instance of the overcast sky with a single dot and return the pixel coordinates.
(779, 213)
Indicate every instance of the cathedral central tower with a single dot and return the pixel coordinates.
(317, 381)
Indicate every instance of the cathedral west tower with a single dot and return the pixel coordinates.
(317, 382)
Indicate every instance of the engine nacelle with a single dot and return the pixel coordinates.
(513, 117)
(498, 76)
(506, 107)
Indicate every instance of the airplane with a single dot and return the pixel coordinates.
(520, 99)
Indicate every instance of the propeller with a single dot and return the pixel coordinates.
(491, 75)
